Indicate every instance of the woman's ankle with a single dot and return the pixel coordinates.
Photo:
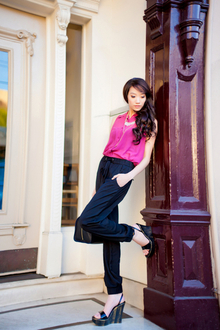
(139, 237)
(112, 301)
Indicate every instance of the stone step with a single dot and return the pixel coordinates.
(46, 288)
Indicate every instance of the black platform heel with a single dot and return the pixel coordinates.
(114, 317)
(147, 231)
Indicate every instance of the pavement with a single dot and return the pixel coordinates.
(68, 313)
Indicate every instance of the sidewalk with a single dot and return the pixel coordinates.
(67, 313)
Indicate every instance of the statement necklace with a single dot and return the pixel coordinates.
(126, 125)
(127, 122)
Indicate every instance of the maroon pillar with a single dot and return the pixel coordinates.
(180, 285)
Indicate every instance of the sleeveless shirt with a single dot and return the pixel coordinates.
(121, 145)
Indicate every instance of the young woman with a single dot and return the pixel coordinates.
(126, 154)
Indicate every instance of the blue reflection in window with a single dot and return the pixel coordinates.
(3, 115)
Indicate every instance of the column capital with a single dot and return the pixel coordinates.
(151, 3)
(63, 13)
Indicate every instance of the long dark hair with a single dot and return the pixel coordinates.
(145, 119)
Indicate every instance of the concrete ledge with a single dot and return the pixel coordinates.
(134, 293)
(38, 289)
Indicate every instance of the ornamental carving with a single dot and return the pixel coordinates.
(62, 39)
(189, 29)
(30, 38)
(63, 17)
(19, 236)
(155, 22)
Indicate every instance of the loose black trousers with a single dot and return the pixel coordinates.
(100, 218)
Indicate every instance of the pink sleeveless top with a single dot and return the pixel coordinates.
(121, 145)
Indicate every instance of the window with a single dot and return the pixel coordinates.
(3, 116)
(72, 125)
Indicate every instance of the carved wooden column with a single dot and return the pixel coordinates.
(180, 285)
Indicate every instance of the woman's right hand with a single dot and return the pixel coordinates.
(122, 178)
(94, 192)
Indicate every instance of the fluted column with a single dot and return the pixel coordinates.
(50, 247)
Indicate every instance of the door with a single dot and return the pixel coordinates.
(22, 112)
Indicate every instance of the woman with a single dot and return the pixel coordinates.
(127, 153)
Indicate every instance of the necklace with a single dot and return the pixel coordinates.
(129, 124)
(126, 123)
(125, 127)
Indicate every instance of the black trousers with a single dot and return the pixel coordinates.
(100, 217)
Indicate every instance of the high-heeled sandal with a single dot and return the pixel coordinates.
(147, 231)
(114, 317)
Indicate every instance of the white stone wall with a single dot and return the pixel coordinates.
(113, 51)
(118, 54)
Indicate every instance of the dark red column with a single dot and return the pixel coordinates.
(180, 285)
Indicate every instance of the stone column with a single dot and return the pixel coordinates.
(50, 247)
(180, 285)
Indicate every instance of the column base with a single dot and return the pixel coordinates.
(181, 313)
(50, 254)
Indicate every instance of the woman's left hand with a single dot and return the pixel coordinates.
(122, 179)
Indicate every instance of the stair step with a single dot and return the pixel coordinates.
(46, 288)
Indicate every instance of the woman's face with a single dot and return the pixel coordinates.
(136, 99)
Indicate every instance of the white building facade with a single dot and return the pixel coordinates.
(110, 50)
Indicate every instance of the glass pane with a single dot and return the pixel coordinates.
(72, 125)
(3, 116)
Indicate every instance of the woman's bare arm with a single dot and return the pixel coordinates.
(122, 179)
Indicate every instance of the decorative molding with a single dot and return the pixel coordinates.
(60, 83)
(59, 69)
(186, 75)
(155, 22)
(63, 17)
(167, 4)
(17, 230)
(161, 257)
(188, 107)
(45, 8)
(89, 5)
(157, 196)
(30, 38)
(62, 39)
(192, 261)
(36, 7)
(10, 38)
(20, 34)
(189, 28)
(19, 236)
